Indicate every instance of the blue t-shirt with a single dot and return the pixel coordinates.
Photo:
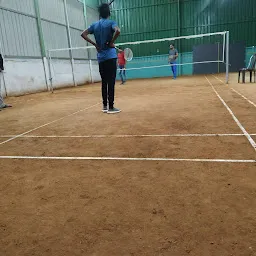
(103, 31)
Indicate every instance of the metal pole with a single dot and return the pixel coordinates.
(218, 57)
(88, 50)
(90, 64)
(227, 57)
(85, 14)
(70, 42)
(179, 31)
(41, 38)
(224, 47)
(50, 71)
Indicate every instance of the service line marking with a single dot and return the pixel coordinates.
(244, 97)
(240, 94)
(41, 126)
(128, 135)
(128, 159)
(248, 136)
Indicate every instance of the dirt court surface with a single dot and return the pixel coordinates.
(173, 174)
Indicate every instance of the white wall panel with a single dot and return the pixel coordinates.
(55, 37)
(52, 10)
(76, 14)
(25, 6)
(18, 35)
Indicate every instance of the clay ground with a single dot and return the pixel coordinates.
(164, 193)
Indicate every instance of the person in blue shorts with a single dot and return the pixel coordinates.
(173, 55)
(105, 32)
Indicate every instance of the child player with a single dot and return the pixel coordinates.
(121, 64)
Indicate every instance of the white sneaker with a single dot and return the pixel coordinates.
(105, 109)
(114, 111)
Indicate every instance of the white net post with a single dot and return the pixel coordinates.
(69, 42)
(91, 74)
(73, 69)
(224, 47)
(227, 57)
(50, 70)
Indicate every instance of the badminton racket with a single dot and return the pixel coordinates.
(128, 54)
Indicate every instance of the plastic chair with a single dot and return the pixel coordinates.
(251, 68)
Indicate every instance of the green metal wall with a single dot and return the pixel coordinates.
(146, 19)
(152, 19)
(91, 3)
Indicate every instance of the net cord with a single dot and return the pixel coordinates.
(178, 64)
(143, 42)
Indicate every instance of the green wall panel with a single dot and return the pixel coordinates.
(152, 19)
(91, 3)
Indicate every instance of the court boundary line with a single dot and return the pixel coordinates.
(219, 79)
(88, 158)
(41, 126)
(240, 94)
(251, 102)
(248, 136)
(131, 135)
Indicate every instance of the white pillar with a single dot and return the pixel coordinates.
(227, 58)
(70, 43)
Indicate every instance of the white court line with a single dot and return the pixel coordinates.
(41, 126)
(218, 79)
(250, 139)
(244, 97)
(128, 159)
(127, 136)
(237, 92)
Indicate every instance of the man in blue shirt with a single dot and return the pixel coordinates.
(105, 32)
(173, 55)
